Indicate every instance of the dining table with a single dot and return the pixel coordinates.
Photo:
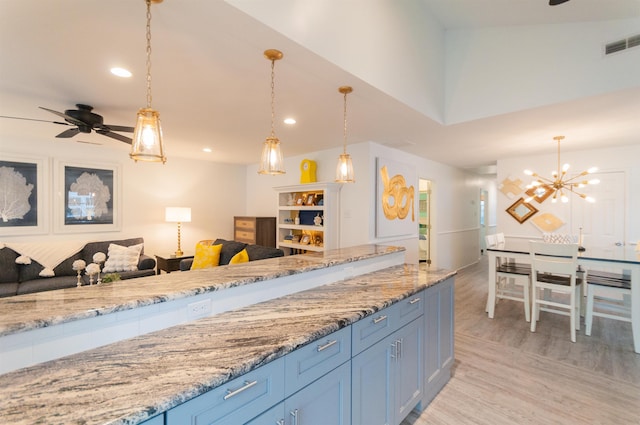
(621, 259)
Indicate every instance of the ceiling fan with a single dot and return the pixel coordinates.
(84, 121)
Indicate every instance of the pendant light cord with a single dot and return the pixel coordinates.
(344, 151)
(273, 96)
(149, 54)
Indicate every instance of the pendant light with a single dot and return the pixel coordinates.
(271, 161)
(344, 170)
(147, 134)
(562, 184)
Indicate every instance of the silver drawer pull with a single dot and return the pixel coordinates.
(327, 345)
(246, 386)
(415, 300)
(379, 319)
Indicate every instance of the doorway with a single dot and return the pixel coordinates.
(424, 221)
(483, 214)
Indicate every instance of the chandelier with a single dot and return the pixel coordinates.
(344, 170)
(271, 161)
(147, 134)
(561, 184)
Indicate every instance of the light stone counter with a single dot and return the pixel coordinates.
(43, 309)
(133, 380)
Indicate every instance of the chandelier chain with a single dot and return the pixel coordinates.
(149, 97)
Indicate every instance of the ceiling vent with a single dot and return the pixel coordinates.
(620, 45)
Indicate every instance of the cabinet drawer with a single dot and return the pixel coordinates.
(372, 329)
(242, 236)
(410, 308)
(237, 401)
(246, 224)
(314, 360)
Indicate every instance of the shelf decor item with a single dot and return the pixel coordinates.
(78, 266)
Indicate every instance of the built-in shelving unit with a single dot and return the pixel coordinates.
(308, 218)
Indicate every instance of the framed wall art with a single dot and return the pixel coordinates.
(395, 199)
(23, 195)
(87, 197)
(521, 211)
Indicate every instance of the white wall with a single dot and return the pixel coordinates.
(625, 159)
(215, 193)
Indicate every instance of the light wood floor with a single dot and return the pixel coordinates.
(504, 374)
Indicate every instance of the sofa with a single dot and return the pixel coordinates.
(231, 248)
(18, 278)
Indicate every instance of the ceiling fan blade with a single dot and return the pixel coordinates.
(33, 119)
(119, 128)
(556, 2)
(116, 136)
(65, 116)
(69, 133)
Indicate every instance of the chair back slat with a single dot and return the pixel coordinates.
(558, 259)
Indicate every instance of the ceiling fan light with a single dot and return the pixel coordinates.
(271, 161)
(147, 137)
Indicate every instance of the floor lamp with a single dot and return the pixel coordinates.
(178, 215)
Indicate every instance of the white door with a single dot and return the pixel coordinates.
(602, 222)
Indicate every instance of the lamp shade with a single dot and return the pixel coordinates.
(177, 214)
(147, 137)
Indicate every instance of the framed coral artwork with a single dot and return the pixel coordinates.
(87, 197)
(23, 195)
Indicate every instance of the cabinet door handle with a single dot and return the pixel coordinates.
(294, 415)
(327, 345)
(379, 319)
(394, 351)
(280, 422)
(415, 300)
(246, 386)
(400, 348)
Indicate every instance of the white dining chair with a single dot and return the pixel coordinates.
(500, 240)
(553, 280)
(513, 282)
(490, 241)
(608, 296)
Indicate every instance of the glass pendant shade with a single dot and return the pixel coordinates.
(344, 170)
(147, 137)
(271, 161)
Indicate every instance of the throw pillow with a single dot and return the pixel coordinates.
(241, 257)
(206, 256)
(122, 258)
(229, 249)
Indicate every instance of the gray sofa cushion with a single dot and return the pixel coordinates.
(258, 252)
(9, 270)
(8, 289)
(229, 249)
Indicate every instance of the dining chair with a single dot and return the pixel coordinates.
(500, 240)
(513, 282)
(490, 240)
(553, 280)
(608, 296)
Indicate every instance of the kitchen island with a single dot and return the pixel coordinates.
(130, 381)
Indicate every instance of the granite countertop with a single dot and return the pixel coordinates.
(31, 311)
(133, 380)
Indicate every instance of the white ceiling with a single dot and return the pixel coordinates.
(211, 83)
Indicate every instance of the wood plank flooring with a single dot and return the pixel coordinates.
(505, 374)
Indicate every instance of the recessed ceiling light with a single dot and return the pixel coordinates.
(207, 150)
(289, 121)
(121, 72)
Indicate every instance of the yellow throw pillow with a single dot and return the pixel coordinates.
(206, 256)
(241, 257)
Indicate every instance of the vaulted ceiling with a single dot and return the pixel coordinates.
(211, 82)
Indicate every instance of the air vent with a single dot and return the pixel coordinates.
(620, 45)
